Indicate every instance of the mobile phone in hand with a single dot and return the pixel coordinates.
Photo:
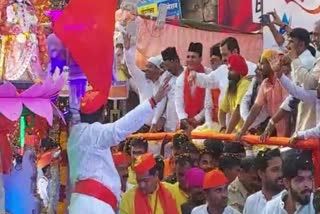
(265, 19)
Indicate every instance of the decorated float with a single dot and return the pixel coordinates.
(32, 107)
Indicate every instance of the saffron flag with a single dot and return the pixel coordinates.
(237, 14)
(86, 28)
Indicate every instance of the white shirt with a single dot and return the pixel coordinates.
(42, 186)
(138, 78)
(219, 78)
(171, 116)
(203, 209)
(89, 147)
(255, 202)
(308, 96)
(179, 97)
(276, 206)
(245, 107)
(166, 108)
(303, 75)
(160, 109)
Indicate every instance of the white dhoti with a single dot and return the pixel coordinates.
(80, 203)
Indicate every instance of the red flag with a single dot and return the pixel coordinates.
(237, 14)
(86, 28)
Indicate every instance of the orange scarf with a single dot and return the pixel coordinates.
(215, 93)
(193, 104)
(142, 206)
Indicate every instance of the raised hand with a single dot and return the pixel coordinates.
(192, 77)
(126, 41)
(163, 90)
(276, 18)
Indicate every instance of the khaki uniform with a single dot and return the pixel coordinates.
(237, 195)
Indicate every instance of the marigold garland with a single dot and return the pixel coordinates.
(41, 6)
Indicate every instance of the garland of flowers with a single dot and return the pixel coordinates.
(54, 194)
(55, 184)
(63, 104)
(41, 6)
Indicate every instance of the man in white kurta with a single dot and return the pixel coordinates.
(307, 96)
(90, 156)
(138, 77)
(195, 106)
(219, 78)
(305, 72)
(166, 109)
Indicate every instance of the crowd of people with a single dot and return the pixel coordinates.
(279, 96)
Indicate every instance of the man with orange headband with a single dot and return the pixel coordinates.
(95, 182)
(151, 195)
(215, 185)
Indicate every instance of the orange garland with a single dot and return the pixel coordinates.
(41, 6)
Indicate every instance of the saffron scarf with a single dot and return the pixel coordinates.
(193, 104)
(164, 197)
(215, 93)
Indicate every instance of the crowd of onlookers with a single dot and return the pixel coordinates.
(278, 96)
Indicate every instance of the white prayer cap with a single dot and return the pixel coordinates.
(156, 60)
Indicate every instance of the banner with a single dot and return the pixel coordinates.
(237, 14)
(150, 7)
(298, 13)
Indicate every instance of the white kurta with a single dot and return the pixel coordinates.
(245, 107)
(255, 202)
(276, 206)
(219, 78)
(179, 97)
(138, 78)
(167, 108)
(303, 73)
(203, 209)
(307, 96)
(160, 109)
(90, 156)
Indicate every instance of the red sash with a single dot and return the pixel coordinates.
(168, 203)
(215, 93)
(193, 104)
(96, 190)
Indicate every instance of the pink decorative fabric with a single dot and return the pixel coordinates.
(37, 99)
(151, 41)
(194, 177)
